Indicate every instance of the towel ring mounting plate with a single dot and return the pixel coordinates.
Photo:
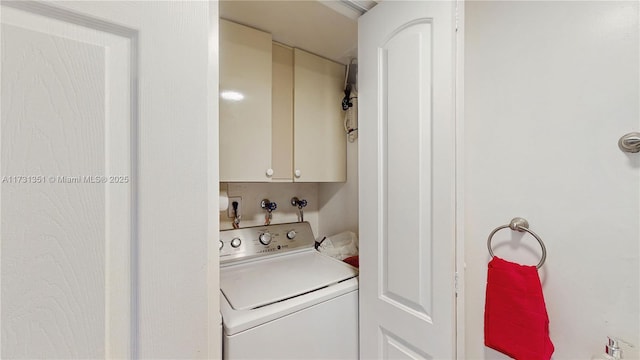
(521, 225)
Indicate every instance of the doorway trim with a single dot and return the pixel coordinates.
(459, 193)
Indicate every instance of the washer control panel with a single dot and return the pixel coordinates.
(249, 242)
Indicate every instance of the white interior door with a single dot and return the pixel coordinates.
(107, 181)
(407, 180)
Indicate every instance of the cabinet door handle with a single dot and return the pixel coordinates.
(297, 173)
(269, 172)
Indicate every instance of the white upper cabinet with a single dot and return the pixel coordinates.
(282, 113)
(281, 118)
(245, 103)
(320, 145)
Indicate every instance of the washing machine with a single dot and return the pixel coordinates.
(281, 299)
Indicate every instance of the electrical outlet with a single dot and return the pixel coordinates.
(230, 209)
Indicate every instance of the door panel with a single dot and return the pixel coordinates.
(109, 158)
(393, 347)
(66, 230)
(406, 148)
(407, 192)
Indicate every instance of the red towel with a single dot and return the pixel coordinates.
(353, 261)
(515, 316)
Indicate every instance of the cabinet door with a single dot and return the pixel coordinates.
(319, 139)
(245, 103)
(282, 113)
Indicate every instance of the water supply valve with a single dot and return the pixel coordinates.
(300, 203)
(269, 207)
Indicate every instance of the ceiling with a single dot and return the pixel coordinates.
(326, 28)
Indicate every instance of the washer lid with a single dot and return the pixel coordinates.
(259, 283)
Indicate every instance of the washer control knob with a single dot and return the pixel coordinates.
(221, 244)
(265, 238)
(235, 242)
(291, 234)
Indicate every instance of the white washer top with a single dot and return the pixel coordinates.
(263, 282)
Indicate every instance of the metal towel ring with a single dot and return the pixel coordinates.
(521, 225)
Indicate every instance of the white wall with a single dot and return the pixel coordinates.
(549, 89)
(253, 193)
(339, 201)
